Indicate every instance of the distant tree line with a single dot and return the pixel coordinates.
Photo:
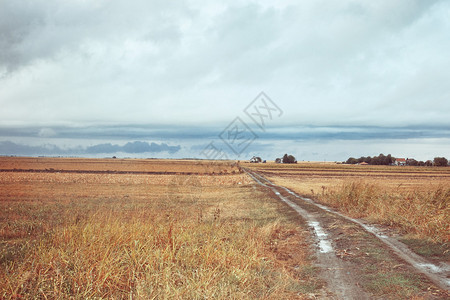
(420, 163)
(376, 160)
(390, 160)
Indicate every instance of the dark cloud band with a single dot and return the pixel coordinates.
(11, 148)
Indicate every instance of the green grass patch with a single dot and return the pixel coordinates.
(393, 285)
(429, 249)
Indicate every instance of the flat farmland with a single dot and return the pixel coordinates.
(182, 229)
(315, 176)
(149, 166)
(414, 200)
(186, 229)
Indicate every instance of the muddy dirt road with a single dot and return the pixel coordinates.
(354, 256)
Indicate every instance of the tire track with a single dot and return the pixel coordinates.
(438, 274)
(334, 271)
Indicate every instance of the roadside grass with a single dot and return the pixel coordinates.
(385, 279)
(136, 241)
(378, 271)
(393, 285)
(425, 214)
(421, 210)
(431, 250)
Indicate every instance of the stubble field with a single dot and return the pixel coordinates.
(185, 229)
(143, 229)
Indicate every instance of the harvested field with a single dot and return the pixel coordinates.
(315, 176)
(145, 166)
(84, 235)
(160, 230)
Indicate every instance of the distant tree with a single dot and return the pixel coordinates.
(428, 163)
(389, 160)
(421, 163)
(278, 160)
(352, 161)
(440, 162)
(412, 162)
(288, 159)
(367, 159)
(382, 159)
(377, 160)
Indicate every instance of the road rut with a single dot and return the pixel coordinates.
(335, 271)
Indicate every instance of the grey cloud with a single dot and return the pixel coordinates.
(103, 148)
(17, 24)
(358, 63)
(11, 148)
(161, 132)
(40, 30)
(140, 147)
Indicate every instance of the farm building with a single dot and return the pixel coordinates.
(400, 162)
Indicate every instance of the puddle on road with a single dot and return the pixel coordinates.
(324, 244)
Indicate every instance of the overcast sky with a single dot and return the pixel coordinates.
(77, 74)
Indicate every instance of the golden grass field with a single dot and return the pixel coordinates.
(414, 200)
(185, 229)
(145, 236)
(86, 165)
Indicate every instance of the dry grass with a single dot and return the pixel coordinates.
(415, 200)
(425, 214)
(132, 236)
(119, 165)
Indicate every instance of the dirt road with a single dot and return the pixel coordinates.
(353, 255)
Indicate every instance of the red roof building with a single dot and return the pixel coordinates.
(400, 162)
